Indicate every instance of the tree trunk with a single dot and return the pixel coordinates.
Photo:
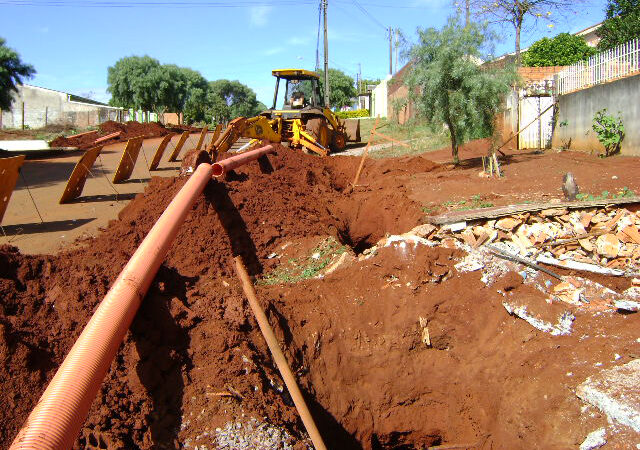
(467, 11)
(454, 142)
(518, 30)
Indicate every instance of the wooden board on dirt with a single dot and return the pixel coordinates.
(128, 160)
(179, 145)
(501, 211)
(78, 177)
(202, 136)
(9, 170)
(160, 151)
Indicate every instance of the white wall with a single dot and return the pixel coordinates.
(379, 98)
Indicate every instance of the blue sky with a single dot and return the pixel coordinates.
(72, 46)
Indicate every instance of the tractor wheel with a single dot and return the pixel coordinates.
(318, 128)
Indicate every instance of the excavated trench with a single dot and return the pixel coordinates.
(194, 369)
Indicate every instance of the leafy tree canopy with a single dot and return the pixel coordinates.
(448, 86)
(562, 50)
(240, 100)
(341, 88)
(522, 15)
(12, 73)
(622, 23)
(129, 83)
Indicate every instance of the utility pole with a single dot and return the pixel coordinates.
(326, 56)
(360, 78)
(390, 51)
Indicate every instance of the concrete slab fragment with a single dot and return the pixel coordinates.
(615, 392)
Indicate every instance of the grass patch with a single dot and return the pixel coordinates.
(296, 270)
(421, 136)
(625, 192)
(475, 202)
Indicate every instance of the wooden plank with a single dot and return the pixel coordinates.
(9, 170)
(78, 177)
(202, 136)
(128, 160)
(176, 151)
(160, 151)
(500, 211)
(107, 137)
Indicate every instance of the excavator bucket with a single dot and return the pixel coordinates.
(352, 128)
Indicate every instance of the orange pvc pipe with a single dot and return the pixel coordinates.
(61, 411)
(222, 167)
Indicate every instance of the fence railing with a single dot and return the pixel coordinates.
(617, 62)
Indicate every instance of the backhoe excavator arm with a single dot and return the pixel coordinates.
(258, 127)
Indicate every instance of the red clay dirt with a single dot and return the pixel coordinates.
(128, 130)
(194, 359)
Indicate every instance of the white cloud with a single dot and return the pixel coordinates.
(273, 51)
(296, 40)
(259, 15)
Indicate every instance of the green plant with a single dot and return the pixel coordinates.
(562, 50)
(625, 192)
(622, 23)
(297, 270)
(353, 113)
(448, 86)
(610, 131)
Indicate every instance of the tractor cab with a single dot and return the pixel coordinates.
(301, 91)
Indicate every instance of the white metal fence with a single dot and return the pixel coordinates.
(617, 62)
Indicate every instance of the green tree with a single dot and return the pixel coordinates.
(521, 14)
(129, 84)
(448, 86)
(12, 72)
(622, 23)
(341, 88)
(195, 104)
(562, 50)
(240, 100)
(170, 84)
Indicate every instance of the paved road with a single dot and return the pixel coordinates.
(46, 179)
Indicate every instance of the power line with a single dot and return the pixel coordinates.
(154, 4)
(369, 15)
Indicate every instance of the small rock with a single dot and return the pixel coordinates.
(507, 224)
(595, 439)
(627, 305)
(608, 245)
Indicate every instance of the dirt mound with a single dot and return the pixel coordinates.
(128, 130)
(194, 369)
(191, 319)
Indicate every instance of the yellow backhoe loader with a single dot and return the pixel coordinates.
(303, 122)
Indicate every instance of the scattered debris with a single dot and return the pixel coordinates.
(563, 327)
(615, 392)
(595, 439)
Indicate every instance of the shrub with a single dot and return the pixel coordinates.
(563, 50)
(352, 114)
(610, 131)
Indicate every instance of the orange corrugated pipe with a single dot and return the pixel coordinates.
(61, 411)
(222, 167)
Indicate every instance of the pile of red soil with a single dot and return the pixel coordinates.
(189, 318)
(127, 131)
(194, 358)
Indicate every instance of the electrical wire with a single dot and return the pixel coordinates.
(369, 15)
(154, 4)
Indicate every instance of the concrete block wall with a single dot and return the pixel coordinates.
(46, 107)
(578, 108)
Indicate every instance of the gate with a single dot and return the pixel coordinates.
(538, 134)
